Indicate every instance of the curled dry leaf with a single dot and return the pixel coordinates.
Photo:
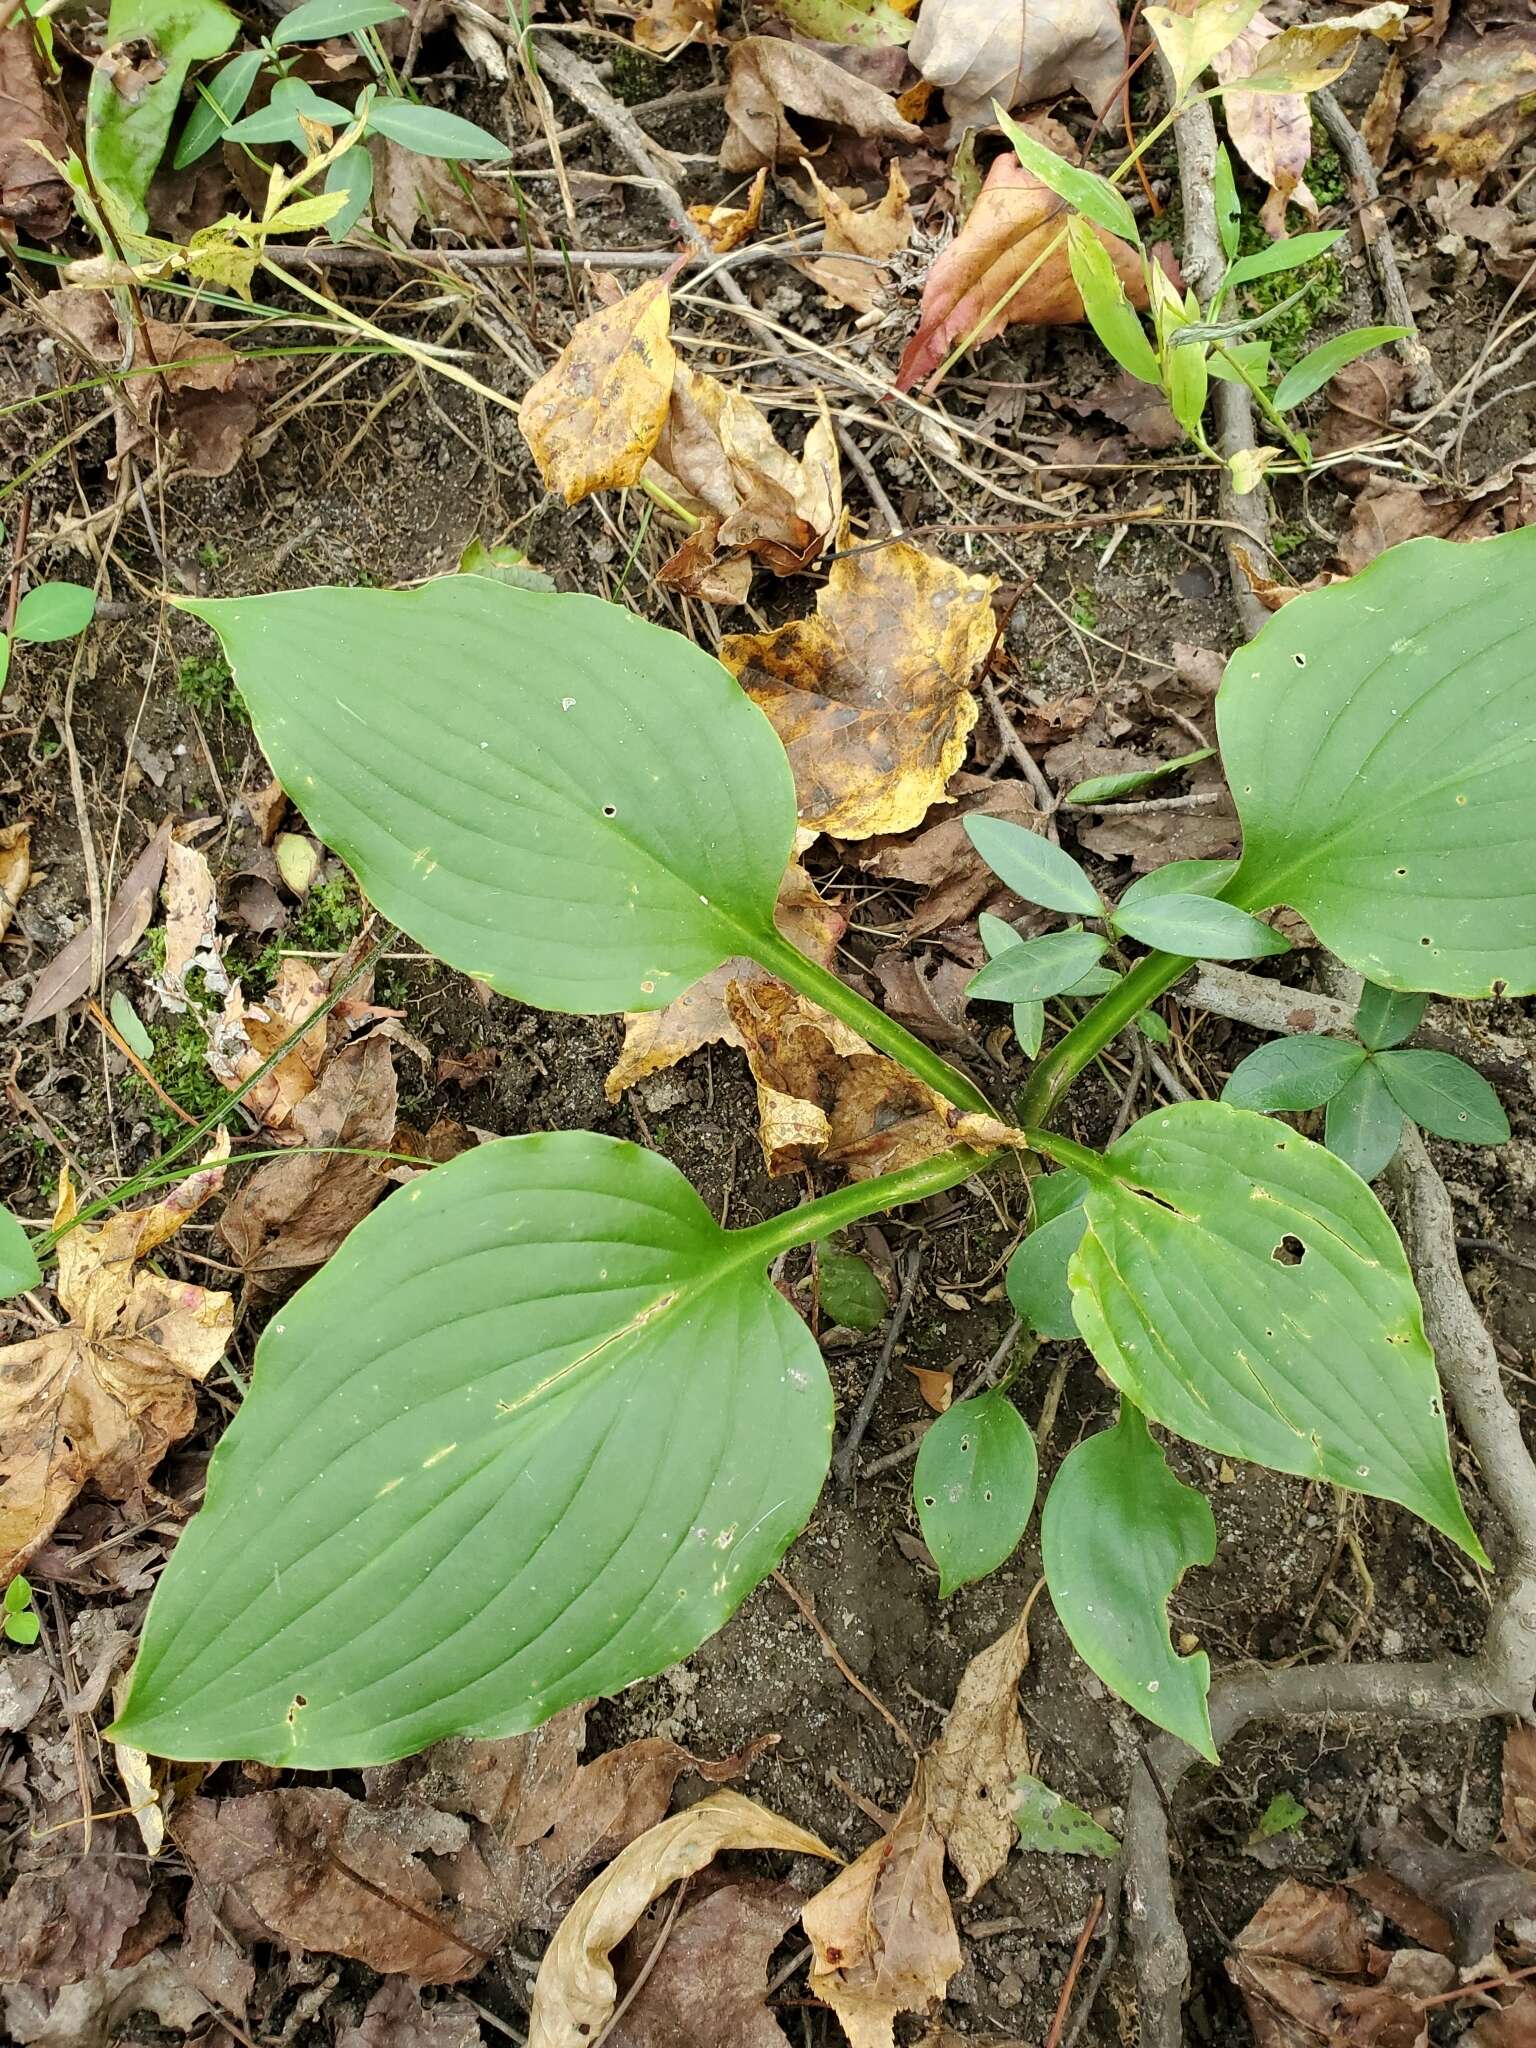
(870, 695)
(576, 1991)
(1480, 102)
(985, 50)
(875, 232)
(727, 227)
(454, 197)
(657, 1039)
(34, 199)
(772, 79)
(191, 927)
(1307, 1972)
(663, 26)
(709, 1980)
(592, 420)
(973, 1767)
(246, 1035)
(15, 868)
(1271, 131)
(101, 1400)
(1008, 229)
(823, 1093)
(68, 974)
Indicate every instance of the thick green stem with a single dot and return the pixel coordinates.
(850, 1008)
(859, 1199)
(1109, 1016)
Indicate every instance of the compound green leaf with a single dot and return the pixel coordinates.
(278, 120)
(1118, 1531)
(1052, 1826)
(1444, 1095)
(1037, 968)
(1293, 1073)
(850, 1293)
(1229, 207)
(19, 1269)
(1279, 1326)
(126, 133)
(1363, 1126)
(1386, 1016)
(577, 807)
(1379, 739)
(1202, 926)
(55, 611)
(974, 1486)
(1033, 867)
(504, 1452)
(1037, 1275)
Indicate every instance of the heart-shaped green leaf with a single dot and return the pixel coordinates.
(1117, 1533)
(1293, 1073)
(1379, 738)
(504, 1452)
(974, 1485)
(1363, 1126)
(1278, 1323)
(552, 795)
(1444, 1095)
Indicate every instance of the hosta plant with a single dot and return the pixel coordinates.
(542, 1423)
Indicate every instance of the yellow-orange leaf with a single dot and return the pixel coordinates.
(593, 419)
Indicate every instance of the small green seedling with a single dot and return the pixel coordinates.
(543, 1423)
(21, 1623)
(1283, 1814)
(49, 611)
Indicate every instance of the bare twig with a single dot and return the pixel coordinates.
(1074, 1970)
(842, 1464)
(344, 256)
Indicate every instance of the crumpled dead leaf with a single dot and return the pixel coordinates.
(454, 197)
(870, 693)
(97, 2010)
(981, 50)
(663, 26)
(883, 1932)
(246, 1034)
(575, 1991)
(15, 868)
(1479, 103)
(1013, 221)
(68, 974)
(707, 1985)
(101, 1400)
(1517, 1827)
(34, 199)
(657, 1039)
(727, 227)
(593, 418)
(1360, 400)
(1388, 511)
(191, 927)
(65, 1916)
(1308, 1973)
(771, 79)
(397, 2017)
(1271, 131)
(876, 232)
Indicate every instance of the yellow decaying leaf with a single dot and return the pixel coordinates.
(823, 1093)
(870, 695)
(875, 231)
(883, 1932)
(575, 1993)
(104, 1398)
(1271, 131)
(727, 227)
(15, 868)
(1313, 55)
(663, 26)
(657, 1039)
(592, 420)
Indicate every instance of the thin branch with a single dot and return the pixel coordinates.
(842, 1464)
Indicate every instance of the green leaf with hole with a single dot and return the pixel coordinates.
(1363, 1125)
(1033, 867)
(574, 806)
(127, 128)
(54, 611)
(850, 1293)
(1386, 1016)
(219, 102)
(1444, 1095)
(19, 1269)
(1229, 208)
(1118, 1531)
(314, 20)
(974, 1486)
(429, 131)
(1110, 313)
(1083, 190)
(1315, 368)
(1293, 1073)
(1037, 968)
(1052, 1826)
(1202, 926)
(1037, 1275)
(1104, 789)
(1280, 1327)
(506, 1451)
(1379, 739)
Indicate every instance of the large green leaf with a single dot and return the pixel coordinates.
(1293, 1073)
(128, 127)
(577, 807)
(504, 1452)
(1379, 738)
(1244, 1288)
(1117, 1533)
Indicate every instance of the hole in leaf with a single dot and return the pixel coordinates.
(1426, 942)
(1401, 871)
(1299, 659)
(987, 1493)
(1290, 1251)
(928, 1500)
(610, 810)
(1147, 1195)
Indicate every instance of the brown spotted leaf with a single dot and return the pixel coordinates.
(1271, 131)
(593, 419)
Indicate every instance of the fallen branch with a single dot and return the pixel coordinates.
(344, 256)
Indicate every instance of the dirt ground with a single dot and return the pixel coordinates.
(385, 478)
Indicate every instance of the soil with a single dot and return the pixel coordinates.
(386, 479)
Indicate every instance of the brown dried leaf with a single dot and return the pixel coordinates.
(1360, 399)
(1474, 1891)
(247, 1034)
(663, 26)
(1304, 1967)
(708, 1984)
(1006, 232)
(657, 1039)
(15, 868)
(397, 2017)
(1387, 512)
(266, 805)
(34, 199)
(593, 419)
(68, 973)
(101, 1400)
(877, 232)
(1513, 2026)
(973, 1767)
(409, 189)
(1517, 1832)
(981, 50)
(941, 860)
(98, 2009)
(870, 694)
(1378, 125)
(1480, 103)
(822, 1093)
(727, 227)
(1140, 408)
(772, 79)
(1271, 131)
(575, 1991)
(191, 926)
(66, 1918)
